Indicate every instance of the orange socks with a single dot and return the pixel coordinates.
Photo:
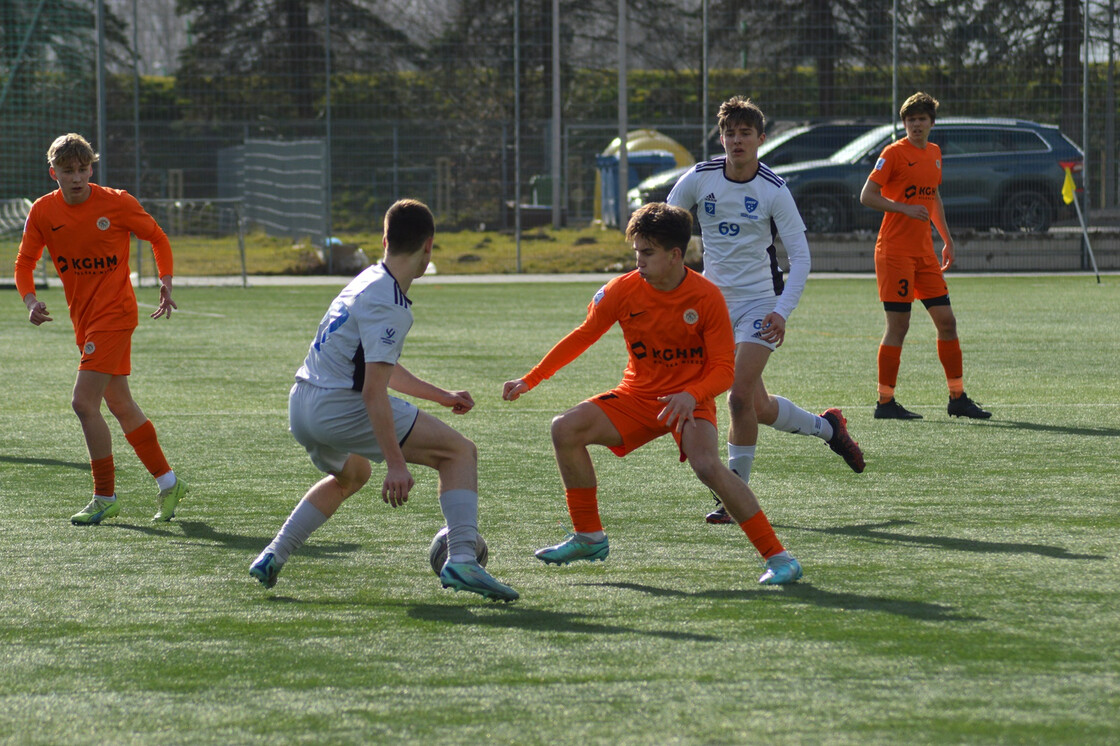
(583, 507)
(889, 359)
(144, 442)
(949, 353)
(761, 533)
(104, 476)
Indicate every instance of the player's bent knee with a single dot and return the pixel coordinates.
(85, 409)
(353, 476)
(706, 470)
(463, 448)
(740, 402)
(564, 429)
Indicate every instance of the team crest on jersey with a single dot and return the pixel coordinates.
(89, 348)
(710, 204)
(691, 316)
(389, 338)
(103, 224)
(750, 203)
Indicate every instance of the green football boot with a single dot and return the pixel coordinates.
(168, 499)
(95, 512)
(574, 548)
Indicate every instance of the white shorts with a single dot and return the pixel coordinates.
(332, 424)
(747, 316)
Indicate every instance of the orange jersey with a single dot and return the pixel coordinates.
(680, 340)
(89, 245)
(912, 175)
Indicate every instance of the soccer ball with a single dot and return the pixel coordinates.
(437, 552)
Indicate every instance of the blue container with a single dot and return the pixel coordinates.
(640, 165)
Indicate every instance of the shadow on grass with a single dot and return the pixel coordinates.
(1092, 432)
(203, 532)
(513, 615)
(806, 593)
(80, 465)
(875, 532)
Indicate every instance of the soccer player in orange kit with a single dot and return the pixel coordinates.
(87, 228)
(681, 356)
(905, 185)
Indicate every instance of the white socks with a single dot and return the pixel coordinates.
(794, 419)
(166, 481)
(304, 519)
(740, 459)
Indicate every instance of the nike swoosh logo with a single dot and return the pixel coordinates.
(54, 228)
(639, 313)
(908, 163)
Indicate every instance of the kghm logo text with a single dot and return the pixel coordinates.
(925, 191)
(86, 263)
(671, 355)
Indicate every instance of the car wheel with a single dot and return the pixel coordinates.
(823, 213)
(1026, 212)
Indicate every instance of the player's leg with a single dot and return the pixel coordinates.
(89, 388)
(747, 390)
(830, 426)
(141, 435)
(314, 416)
(952, 360)
(573, 431)
(317, 505)
(433, 443)
(437, 445)
(895, 278)
(699, 444)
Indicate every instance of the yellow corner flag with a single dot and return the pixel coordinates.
(1068, 188)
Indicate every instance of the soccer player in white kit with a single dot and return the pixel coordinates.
(340, 410)
(741, 205)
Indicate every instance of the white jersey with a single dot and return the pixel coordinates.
(366, 323)
(739, 221)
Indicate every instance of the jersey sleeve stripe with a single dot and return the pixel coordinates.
(765, 172)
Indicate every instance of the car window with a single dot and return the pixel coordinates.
(981, 140)
(868, 144)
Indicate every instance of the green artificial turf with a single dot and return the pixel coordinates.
(964, 589)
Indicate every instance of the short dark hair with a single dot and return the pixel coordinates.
(662, 224)
(408, 225)
(918, 104)
(738, 110)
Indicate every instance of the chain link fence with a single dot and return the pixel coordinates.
(318, 114)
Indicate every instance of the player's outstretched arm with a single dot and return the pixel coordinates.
(405, 382)
(513, 389)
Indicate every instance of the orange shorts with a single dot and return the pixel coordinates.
(108, 352)
(635, 418)
(904, 279)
